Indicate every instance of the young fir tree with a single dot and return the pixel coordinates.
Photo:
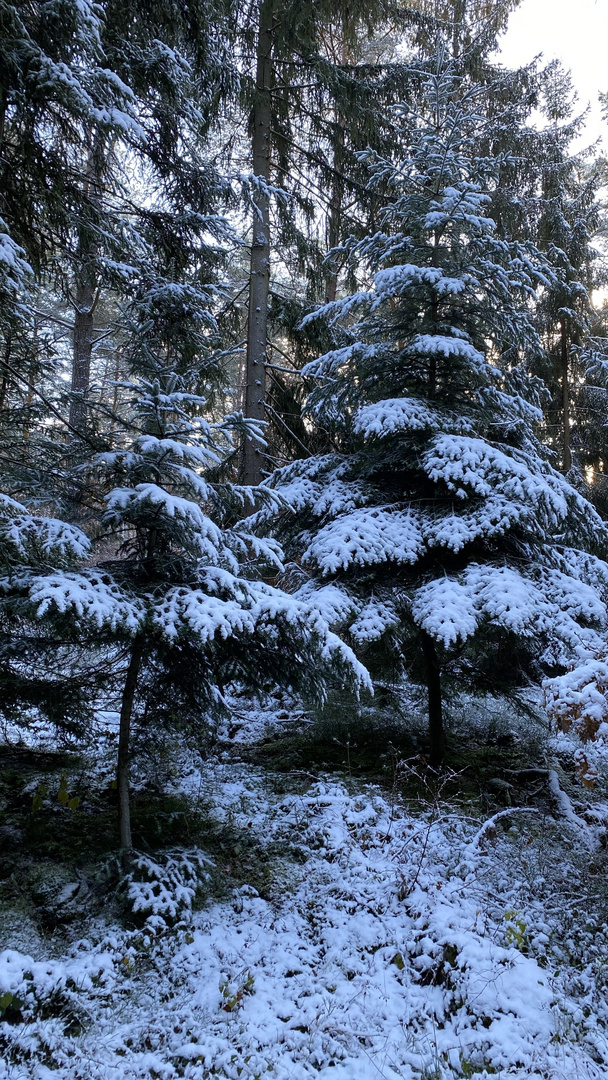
(326, 83)
(175, 609)
(438, 531)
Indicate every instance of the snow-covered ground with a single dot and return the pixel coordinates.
(396, 942)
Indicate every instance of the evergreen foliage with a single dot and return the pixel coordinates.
(568, 220)
(176, 608)
(393, 162)
(438, 532)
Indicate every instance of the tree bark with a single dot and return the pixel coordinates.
(122, 770)
(335, 211)
(458, 15)
(432, 672)
(3, 108)
(86, 279)
(565, 395)
(259, 272)
(83, 349)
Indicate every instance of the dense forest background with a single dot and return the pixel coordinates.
(303, 471)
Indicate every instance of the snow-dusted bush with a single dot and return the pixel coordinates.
(578, 699)
(577, 703)
(28, 985)
(162, 889)
(399, 946)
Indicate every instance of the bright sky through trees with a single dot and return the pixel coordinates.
(577, 34)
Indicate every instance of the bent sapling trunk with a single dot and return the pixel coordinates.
(432, 671)
(122, 771)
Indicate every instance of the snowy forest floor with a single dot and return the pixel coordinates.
(308, 901)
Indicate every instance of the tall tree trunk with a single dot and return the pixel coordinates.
(565, 395)
(432, 672)
(259, 272)
(458, 15)
(86, 278)
(434, 317)
(122, 770)
(83, 349)
(3, 108)
(31, 386)
(335, 211)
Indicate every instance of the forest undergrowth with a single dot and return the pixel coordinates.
(307, 896)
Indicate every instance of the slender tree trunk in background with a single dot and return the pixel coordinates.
(565, 395)
(122, 770)
(3, 107)
(434, 316)
(83, 349)
(259, 273)
(433, 681)
(31, 386)
(115, 394)
(335, 212)
(458, 19)
(86, 279)
(7, 359)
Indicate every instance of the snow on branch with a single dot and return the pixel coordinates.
(448, 346)
(91, 597)
(385, 417)
(445, 609)
(192, 611)
(128, 505)
(49, 536)
(394, 280)
(467, 463)
(451, 609)
(13, 266)
(367, 537)
(333, 604)
(373, 621)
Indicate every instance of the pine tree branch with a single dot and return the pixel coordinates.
(48, 404)
(287, 428)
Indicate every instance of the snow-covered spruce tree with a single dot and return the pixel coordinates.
(177, 606)
(438, 531)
